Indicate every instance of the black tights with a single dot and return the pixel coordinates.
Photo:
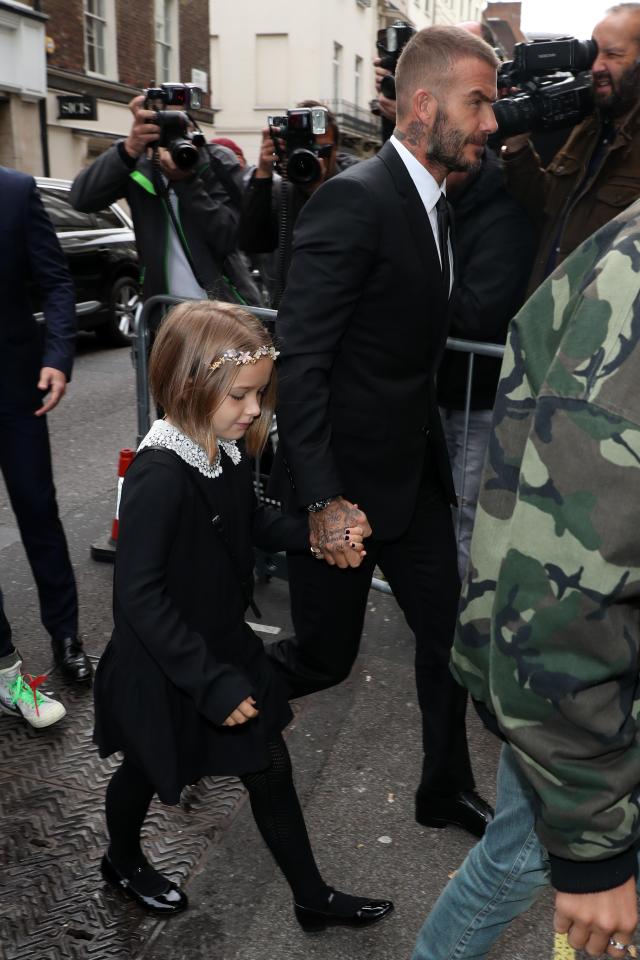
(276, 810)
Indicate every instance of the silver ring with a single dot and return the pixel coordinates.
(617, 945)
(317, 552)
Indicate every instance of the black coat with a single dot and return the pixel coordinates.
(30, 253)
(181, 657)
(495, 246)
(362, 327)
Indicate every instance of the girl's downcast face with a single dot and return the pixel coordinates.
(241, 406)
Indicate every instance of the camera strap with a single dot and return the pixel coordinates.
(163, 192)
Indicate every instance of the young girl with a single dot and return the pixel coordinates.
(185, 689)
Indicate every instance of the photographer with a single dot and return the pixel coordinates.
(272, 204)
(596, 174)
(185, 220)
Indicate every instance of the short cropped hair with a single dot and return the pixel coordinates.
(428, 60)
(191, 337)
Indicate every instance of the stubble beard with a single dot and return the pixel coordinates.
(446, 148)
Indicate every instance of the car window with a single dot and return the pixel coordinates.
(107, 219)
(62, 214)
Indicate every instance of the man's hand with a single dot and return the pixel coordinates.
(264, 170)
(54, 383)
(387, 107)
(328, 533)
(243, 712)
(143, 132)
(513, 144)
(590, 920)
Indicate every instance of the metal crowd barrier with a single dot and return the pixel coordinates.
(141, 339)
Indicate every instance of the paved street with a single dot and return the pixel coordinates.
(355, 752)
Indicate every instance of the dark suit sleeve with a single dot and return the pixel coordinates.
(335, 243)
(151, 510)
(49, 271)
(272, 530)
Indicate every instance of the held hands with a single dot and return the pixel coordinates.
(54, 383)
(336, 534)
(243, 712)
(593, 920)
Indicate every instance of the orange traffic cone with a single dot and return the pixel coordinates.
(105, 548)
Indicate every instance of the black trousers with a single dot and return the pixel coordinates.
(25, 461)
(328, 606)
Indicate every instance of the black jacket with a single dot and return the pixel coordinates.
(182, 657)
(265, 230)
(361, 328)
(208, 210)
(30, 253)
(495, 247)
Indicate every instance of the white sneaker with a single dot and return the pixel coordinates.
(20, 697)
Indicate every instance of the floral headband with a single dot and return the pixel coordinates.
(240, 357)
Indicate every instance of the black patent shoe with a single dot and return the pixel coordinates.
(72, 660)
(465, 809)
(370, 911)
(166, 902)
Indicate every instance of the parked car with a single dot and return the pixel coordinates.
(103, 259)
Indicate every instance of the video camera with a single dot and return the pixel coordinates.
(549, 99)
(182, 143)
(301, 152)
(390, 44)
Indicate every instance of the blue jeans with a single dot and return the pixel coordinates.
(467, 485)
(500, 878)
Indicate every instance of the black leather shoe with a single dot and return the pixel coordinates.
(370, 911)
(166, 902)
(72, 659)
(465, 809)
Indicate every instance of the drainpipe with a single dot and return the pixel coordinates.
(42, 111)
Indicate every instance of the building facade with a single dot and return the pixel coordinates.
(23, 84)
(101, 53)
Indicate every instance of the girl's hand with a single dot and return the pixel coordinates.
(354, 535)
(243, 712)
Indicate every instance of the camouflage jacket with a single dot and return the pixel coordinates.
(548, 640)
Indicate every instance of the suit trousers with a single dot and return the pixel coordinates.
(328, 607)
(25, 461)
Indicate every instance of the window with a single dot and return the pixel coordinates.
(63, 216)
(166, 17)
(100, 38)
(357, 86)
(272, 70)
(337, 70)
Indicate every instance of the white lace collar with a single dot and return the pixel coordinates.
(163, 434)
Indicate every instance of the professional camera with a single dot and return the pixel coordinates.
(390, 44)
(556, 87)
(175, 134)
(301, 152)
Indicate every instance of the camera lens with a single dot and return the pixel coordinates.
(183, 154)
(303, 167)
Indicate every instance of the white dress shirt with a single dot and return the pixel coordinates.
(429, 194)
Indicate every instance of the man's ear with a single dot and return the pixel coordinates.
(425, 107)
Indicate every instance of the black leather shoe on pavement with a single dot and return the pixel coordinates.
(72, 659)
(357, 912)
(465, 809)
(146, 887)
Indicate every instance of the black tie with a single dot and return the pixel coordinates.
(442, 210)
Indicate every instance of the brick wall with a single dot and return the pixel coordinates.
(65, 26)
(194, 39)
(135, 35)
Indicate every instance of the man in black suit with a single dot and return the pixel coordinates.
(34, 370)
(362, 327)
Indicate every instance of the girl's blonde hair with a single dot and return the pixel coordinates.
(191, 337)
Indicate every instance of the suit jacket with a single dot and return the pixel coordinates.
(361, 330)
(30, 252)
